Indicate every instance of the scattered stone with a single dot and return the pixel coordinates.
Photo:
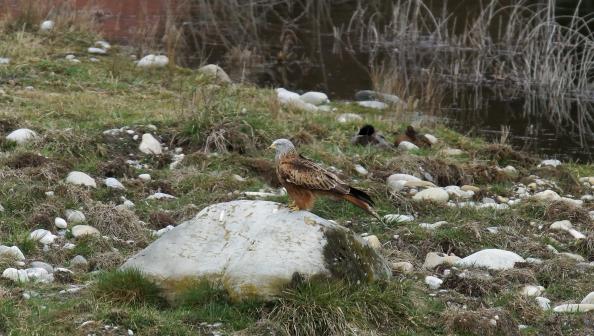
(160, 195)
(256, 247)
(438, 195)
(396, 218)
(40, 264)
(434, 259)
(373, 104)
(47, 25)
(397, 182)
(145, 177)
(433, 282)
(315, 98)
(103, 44)
(589, 299)
(79, 262)
(433, 226)
(531, 290)
(574, 308)
(361, 170)
(150, 145)
(83, 230)
(510, 171)
(572, 256)
(432, 139)
(348, 117)
(15, 275)
(113, 183)
(4, 61)
(457, 192)
(566, 225)
(472, 188)
(75, 216)
(215, 72)
(494, 259)
(43, 236)
(403, 267)
(80, 178)
(153, 61)
(547, 195)
(21, 136)
(549, 163)
(407, 146)
(373, 242)
(97, 51)
(12, 252)
(60, 223)
(543, 303)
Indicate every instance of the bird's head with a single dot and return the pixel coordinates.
(282, 146)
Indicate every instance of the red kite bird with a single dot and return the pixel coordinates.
(304, 180)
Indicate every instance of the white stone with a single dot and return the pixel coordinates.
(494, 259)
(403, 267)
(113, 183)
(98, 51)
(457, 192)
(547, 195)
(433, 282)
(589, 299)
(60, 223)
(80, 178)
(43, 236)
(83, 230)
(40, 264)
(531, 290)
(1, 208)
(75, 216)
(431, 138)
(373, 242)
(21, 136)
(572, 256)
(434, 259)
(15, 275)
(70, 57)
(348, 117)
(566, 225)
(549, 163)
(153, 61)
(432, 194)
(39, 274)
(215, 72)
(254, 247)
(145, 177)
(374, 104)
(543, 302)
(397, 182)
(407, 146)
(4, 61)
(361, 170)
(79, 261)
(315, 98)
(433, 226)
(12, 252)
(535, 261)
(150, 145)
(397, 218)
(47, 25)
(160, 232)
(574, 308)
(510, 171)
(292, 99)
(160, 196)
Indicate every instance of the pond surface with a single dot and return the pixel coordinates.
(311, 52)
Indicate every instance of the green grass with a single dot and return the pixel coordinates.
(128, 287)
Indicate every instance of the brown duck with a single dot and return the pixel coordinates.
(412, 136)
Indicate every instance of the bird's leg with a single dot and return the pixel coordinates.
(293, 206)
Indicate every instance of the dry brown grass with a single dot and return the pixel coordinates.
(119, 223)
(483, 321)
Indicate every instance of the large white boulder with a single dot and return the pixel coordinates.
(438, 195)
(292, 99)
(255, 248)
(494, 259)
(21, 136)
(12, 252)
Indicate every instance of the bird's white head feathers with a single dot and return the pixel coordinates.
(282, 146)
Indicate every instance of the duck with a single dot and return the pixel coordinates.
(411, 135)
(367, 135)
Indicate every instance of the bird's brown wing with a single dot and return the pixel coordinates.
(302, 172)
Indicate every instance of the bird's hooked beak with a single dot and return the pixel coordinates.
(273, 146)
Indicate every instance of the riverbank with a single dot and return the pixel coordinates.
(90, 110)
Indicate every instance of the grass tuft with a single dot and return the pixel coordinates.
(128, 287)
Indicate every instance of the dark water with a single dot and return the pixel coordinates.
(282, 47)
